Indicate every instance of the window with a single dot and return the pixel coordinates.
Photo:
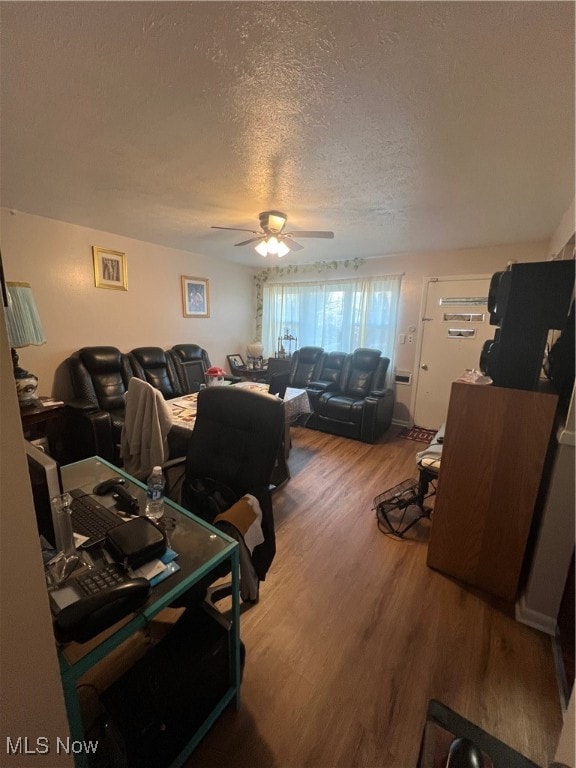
(337, 315)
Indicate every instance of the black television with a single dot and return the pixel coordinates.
(46, 482)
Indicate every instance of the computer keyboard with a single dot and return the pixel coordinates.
(91, 518)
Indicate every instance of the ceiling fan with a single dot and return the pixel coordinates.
(272, 239)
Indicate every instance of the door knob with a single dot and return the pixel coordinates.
(424, 367)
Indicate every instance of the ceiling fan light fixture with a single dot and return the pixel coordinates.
(271, 246)
(282, 249)
(272, 240)
(276, 222)
(272, 222)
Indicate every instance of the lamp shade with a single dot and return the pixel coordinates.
(261, 248)
(256, 349)
(272, 247)
(282, 249)
(22, 318)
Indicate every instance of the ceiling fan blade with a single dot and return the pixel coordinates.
(292, 244)
(252, 240)
(236, 229)
(328, 235)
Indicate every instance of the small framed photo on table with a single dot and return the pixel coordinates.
(110, 269)
(235, 361)
(195, 297)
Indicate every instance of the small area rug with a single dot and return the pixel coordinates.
(418, 434)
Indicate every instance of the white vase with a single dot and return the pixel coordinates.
(26, 387)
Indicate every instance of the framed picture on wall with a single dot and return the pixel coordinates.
(195, 296)
(110, 269)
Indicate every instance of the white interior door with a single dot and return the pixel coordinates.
(455, 325)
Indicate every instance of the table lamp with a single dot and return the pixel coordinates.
(24, 328)
(254, 352)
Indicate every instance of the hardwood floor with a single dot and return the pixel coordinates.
(354, 634)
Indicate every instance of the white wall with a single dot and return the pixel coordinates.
(32, 698)
(56, 259)
(564, 232)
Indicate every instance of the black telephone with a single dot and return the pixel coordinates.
(86, 605)
(125, 502)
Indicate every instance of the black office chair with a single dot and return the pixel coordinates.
(276, 375)
(234, 446)
(448, 739)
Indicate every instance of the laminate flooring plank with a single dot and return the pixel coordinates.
(354, 634)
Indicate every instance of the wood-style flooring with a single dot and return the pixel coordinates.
(354, 634)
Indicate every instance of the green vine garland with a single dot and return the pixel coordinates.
(264, 275)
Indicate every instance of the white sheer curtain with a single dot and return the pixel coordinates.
(337, 315)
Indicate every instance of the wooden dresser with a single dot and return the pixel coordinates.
(492, 460)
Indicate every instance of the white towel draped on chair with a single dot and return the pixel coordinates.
(148, 419)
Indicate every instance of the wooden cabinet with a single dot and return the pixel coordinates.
(492, 460)
(45, 417)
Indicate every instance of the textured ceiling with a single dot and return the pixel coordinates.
(400, 126)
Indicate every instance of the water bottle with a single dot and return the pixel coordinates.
(155, 494)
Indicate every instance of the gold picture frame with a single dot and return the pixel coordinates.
(110, 269)
(195, 296)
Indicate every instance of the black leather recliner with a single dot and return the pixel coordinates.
(328, 379)
(296, 371)
(360, 407)
(305, 366)
(153, 365)
(99, 378)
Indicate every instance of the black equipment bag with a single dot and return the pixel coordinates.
(136, 542)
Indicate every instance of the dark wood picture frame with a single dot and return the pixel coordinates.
(235, 361)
